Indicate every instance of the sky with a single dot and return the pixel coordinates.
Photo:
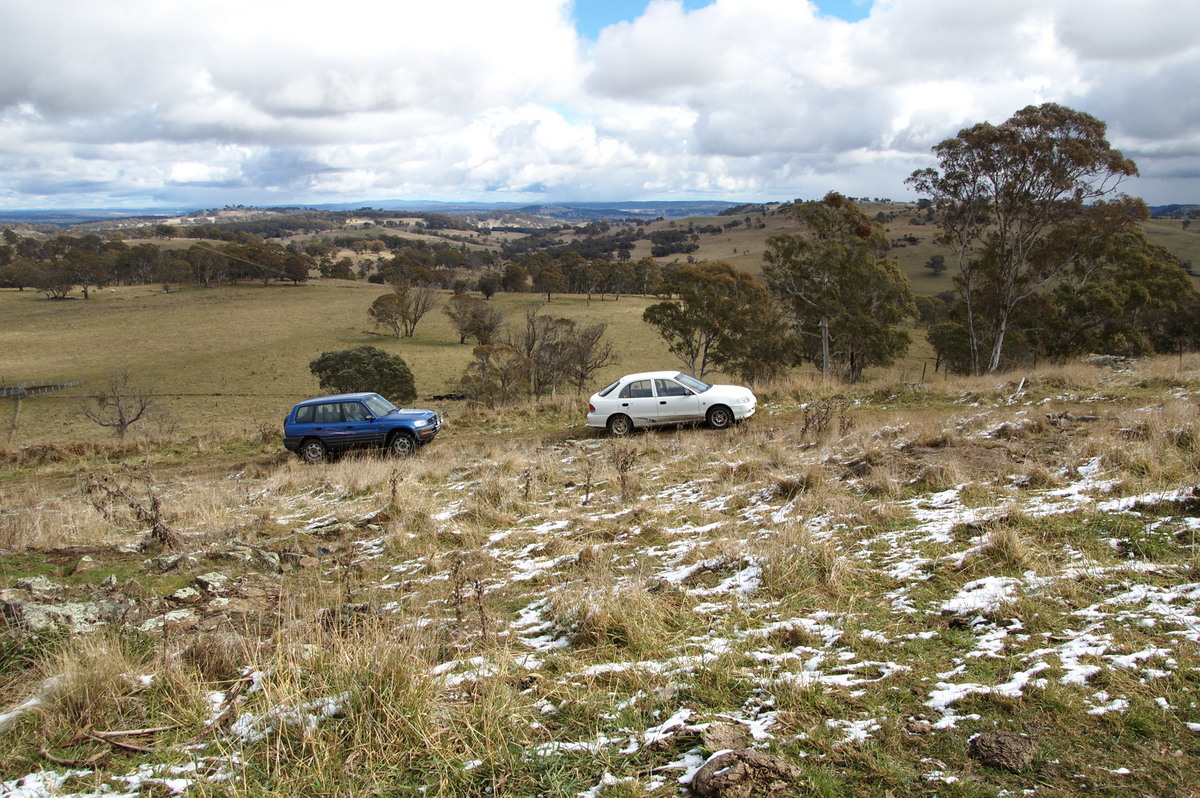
(165, 103)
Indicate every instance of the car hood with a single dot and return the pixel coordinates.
(728, 392)
(411, 412)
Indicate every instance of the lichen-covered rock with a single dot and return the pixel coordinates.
(746, 774)
(75, 617)
(1004, 750)
(39, 587)
(213, 583)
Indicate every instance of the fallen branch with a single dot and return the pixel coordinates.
(230, 704)
(73, 763)
(133, 732)
(118, 744)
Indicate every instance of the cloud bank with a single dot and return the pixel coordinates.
(138, 103)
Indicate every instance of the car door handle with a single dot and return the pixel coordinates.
(662, 401)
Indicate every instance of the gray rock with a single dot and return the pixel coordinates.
(724, 736)
(213, 583)
(84, 565)
(39, 587)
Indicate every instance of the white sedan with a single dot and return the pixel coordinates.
(667, 397)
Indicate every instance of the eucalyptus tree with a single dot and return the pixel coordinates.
(716, 307)
(845, 297)
(999, 191)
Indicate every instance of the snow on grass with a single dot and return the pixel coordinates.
(940, 627)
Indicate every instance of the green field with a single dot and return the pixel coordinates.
(230, 359)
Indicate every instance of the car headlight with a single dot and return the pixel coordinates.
(420, 422)
(744, 400)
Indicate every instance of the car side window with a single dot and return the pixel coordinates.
(354, 411)
(329, 414)
(638, 389)
(304, 415)
(670, 388)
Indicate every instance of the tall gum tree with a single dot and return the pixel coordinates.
(999, 191)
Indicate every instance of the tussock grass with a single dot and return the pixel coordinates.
(608, 612)
(797, 563)
(1003, 546)
(110, 682)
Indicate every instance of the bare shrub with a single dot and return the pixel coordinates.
(624, 455)
(114, 495)
(119, 405)
(822, 416)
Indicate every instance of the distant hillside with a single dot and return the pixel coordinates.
(564, 211)
(1174, 211)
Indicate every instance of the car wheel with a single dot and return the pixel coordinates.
(402, 445)
(720, 417)
(620, 424)
(313, 451)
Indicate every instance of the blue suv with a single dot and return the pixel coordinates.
(329, 425)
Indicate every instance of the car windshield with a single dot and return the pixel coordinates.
(379, 406)
(693, 383)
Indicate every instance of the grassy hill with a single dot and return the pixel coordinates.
(980, 587)
(235, 358)
(908, 230)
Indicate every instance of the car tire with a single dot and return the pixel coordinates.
(402, 445)
(620, 424)
(313, 451)
(720, 417)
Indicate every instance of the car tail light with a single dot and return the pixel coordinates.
(591, 408)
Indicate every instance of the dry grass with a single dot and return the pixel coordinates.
(797, 563)
(679, 569)
(606, 612)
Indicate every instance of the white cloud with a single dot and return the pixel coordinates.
(145, 102)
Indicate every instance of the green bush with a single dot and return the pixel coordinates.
(365, 368)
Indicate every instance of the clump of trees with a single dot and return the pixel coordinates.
(473, 317)
(1051, 261)
(718, 316)
(401, 310)
(59, 265)
(829, 296)
(365, 368)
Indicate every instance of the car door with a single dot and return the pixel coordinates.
(328, 425)
(676, 402)
(361, 429)
(637, 401)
